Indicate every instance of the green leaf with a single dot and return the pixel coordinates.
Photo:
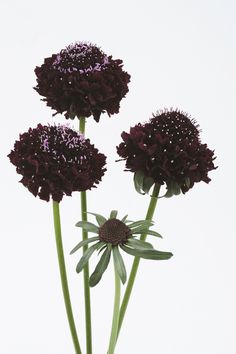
(103, 247)
(172, 189)
(88, 226)
(84, 243)
(139, 244)
(176, 189)
(140, 230)
(148, 182)
(138, 181)
(143, 223)
(168, 194)
(128, 221)
(187, 182)
(119, 264)
(124, 218)
(100, 219)
(87, 254)
(113, 214)
(147, 254)
(153, 233)
(101, 267)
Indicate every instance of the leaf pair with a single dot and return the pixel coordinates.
(87, 254)
(142, 183)
(172, 189)
(147, 254)
(84, 243)
(142, 227)
(141, 223)
(103, 262)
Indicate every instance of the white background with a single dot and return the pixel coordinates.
(179, 53)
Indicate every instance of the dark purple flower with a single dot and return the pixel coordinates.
(82, 81)
(167, 150)
(55, 161)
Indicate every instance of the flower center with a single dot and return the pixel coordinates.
(176, 125)
(114, 231)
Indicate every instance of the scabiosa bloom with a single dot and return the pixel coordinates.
(55, 160)
(82, 81)
(166, 150)
(114, 234)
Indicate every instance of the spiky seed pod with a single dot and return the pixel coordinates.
(114, 235)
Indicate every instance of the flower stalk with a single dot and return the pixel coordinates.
(134, 269)
(64, 282)
(87, 302)
(115, 320)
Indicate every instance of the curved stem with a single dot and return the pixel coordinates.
(64, 282)
(134, 269)
(116, 308)
(87, 302)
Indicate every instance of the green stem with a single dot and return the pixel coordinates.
(116, 308)
(64, 282)
(87, 302)
(82, 122)
(134, 269)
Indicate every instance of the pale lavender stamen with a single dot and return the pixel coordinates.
(75, 52)
(64, 137)
(45, 144)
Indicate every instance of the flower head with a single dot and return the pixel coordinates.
(112, 235)
(166, 150)
(82, 81)
(55, 160)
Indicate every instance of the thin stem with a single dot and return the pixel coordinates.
(134, 269)
(82, 123)
(115, 320)
(64, 282)
(87, 302)
(86, 280)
